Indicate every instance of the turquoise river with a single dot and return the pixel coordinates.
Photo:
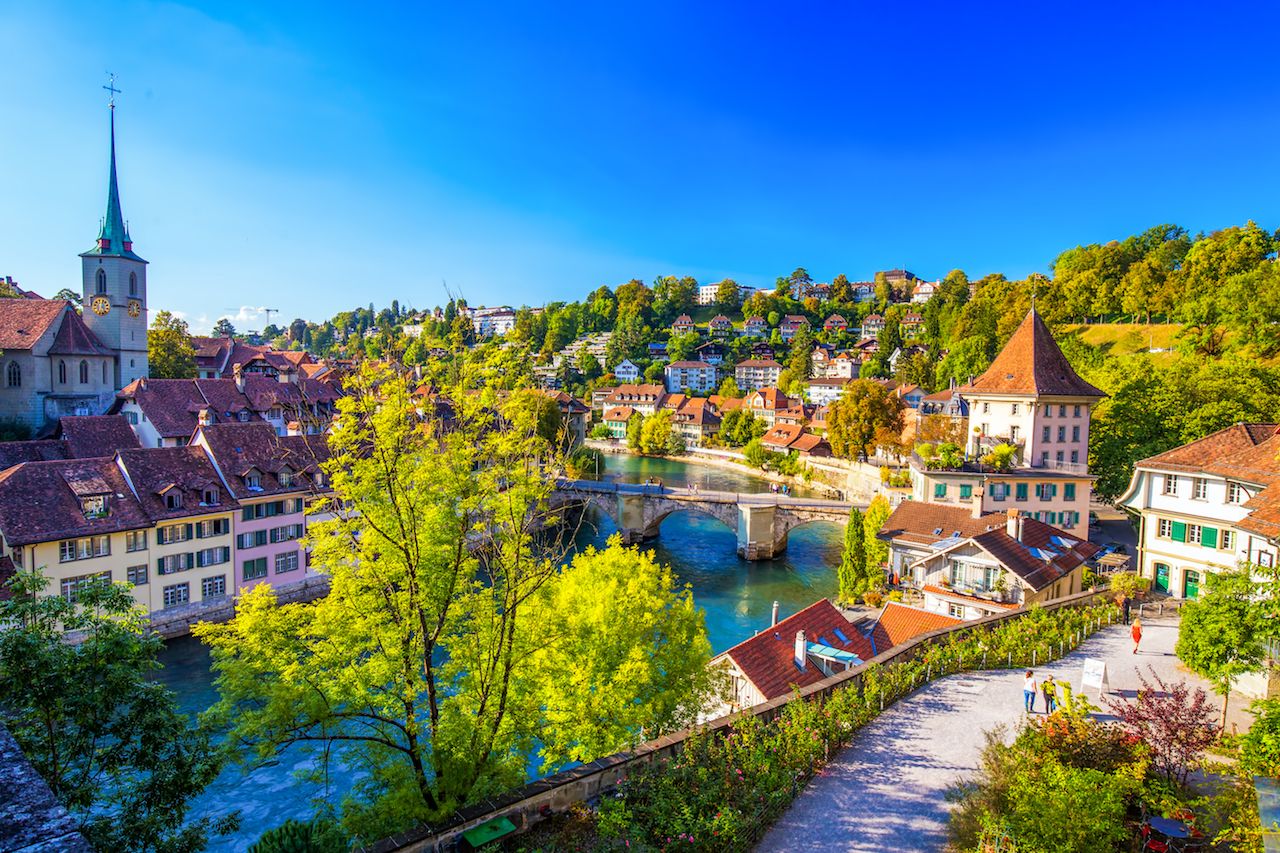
(736, 595)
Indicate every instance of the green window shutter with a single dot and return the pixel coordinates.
(189, 529)
(1021, 491)
(1179, 531)
(1069, 491)
(1209, 537)
(246, 514)
(939, 490)
(1053, 490)
(966, 491)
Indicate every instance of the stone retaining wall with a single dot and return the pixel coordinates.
(178, 621)
(537, 800)
(31, 818)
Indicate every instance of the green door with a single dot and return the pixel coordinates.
(1162, 578)
(1191, 585)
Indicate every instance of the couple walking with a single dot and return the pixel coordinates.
(1030, 687)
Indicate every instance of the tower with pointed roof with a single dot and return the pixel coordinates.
(115, 285)
(1031, 399)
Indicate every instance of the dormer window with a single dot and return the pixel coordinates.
(173, 500)
(319, 478)
(286, 477)
(210, 497)
(253, 480)
(94, 506)
(243, 416)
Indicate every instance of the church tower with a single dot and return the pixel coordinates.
(115, 284)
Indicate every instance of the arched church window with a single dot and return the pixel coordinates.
(102, 281)
(84, 372)
(15, 375)
(133, 284)
(62, 372)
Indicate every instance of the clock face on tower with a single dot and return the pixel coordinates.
(135, 308)
(101, 305)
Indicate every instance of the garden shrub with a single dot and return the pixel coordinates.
(1131, 584)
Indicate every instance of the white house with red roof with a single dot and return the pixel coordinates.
(803, 649)
(969, 563)
(697, 376)
(1207, 506)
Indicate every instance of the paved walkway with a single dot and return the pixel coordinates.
(885, 791)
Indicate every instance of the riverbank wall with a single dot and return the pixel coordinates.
(538, 800)
(178, 621)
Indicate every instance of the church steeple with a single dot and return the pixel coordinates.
(113, 236)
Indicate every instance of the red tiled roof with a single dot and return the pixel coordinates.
(74, 338)
(620, 413)
(87, 436)
(781, 435)
(156, 472)
(768, 659)
(238, 447)
(690, 365)
(39, 450)
(1032, 363)
(760, 362)
(24, 321)
(55, 490)
(899, 623)
(925, 523)
(1213, 449)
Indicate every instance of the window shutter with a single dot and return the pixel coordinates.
(246, 514)
(1209, 537)
(1179, 531)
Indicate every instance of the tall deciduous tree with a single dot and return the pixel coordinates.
(727, 294)
(108, 739)
(170, 354)
(863, 411)
(437, 664)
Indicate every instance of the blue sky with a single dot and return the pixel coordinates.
(314, 157)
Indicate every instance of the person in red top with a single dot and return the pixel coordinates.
(1137, 634)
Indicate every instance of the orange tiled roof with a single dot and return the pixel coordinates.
(1032, 363)
(899, 623)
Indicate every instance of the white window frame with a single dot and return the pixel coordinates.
(1164, 528)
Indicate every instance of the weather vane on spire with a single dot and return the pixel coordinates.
(111, 87)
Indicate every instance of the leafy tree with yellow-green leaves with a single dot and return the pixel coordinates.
(170, 354)
(454, 646)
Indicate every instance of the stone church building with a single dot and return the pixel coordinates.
(53, 361)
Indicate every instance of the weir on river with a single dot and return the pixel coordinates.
(736, 595)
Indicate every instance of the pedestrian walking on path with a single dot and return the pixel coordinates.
(1136, 633)
(1124, 607)
(1029, 688)
(1050, 694)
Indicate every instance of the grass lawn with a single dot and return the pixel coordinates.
(1127, 338)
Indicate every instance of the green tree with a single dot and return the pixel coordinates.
(1219, 636)
(801, 361)
(655, 434)
(108, 738)
(729, 388)
(864, 411)
(438, 662)
(223, 328)
(170, 354)
(727, 294)
(635, 433)
(841, 290)
(853, 559)
(680, 347)
(877, 552)
(72, 296)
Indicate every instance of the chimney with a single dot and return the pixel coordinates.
(239, 375)
(977, 503)
(802, 653)
(1013, 524)
(774, 621)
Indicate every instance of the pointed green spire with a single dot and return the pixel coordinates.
(113, 236)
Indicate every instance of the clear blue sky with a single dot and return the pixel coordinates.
(314, 157)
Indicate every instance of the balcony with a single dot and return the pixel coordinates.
(1078, 468)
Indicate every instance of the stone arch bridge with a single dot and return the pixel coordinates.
(761, 521)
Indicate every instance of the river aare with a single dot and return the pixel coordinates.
(736, 595)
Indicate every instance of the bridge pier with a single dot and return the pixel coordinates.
(756, 537)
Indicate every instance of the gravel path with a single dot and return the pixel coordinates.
(885, 791)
